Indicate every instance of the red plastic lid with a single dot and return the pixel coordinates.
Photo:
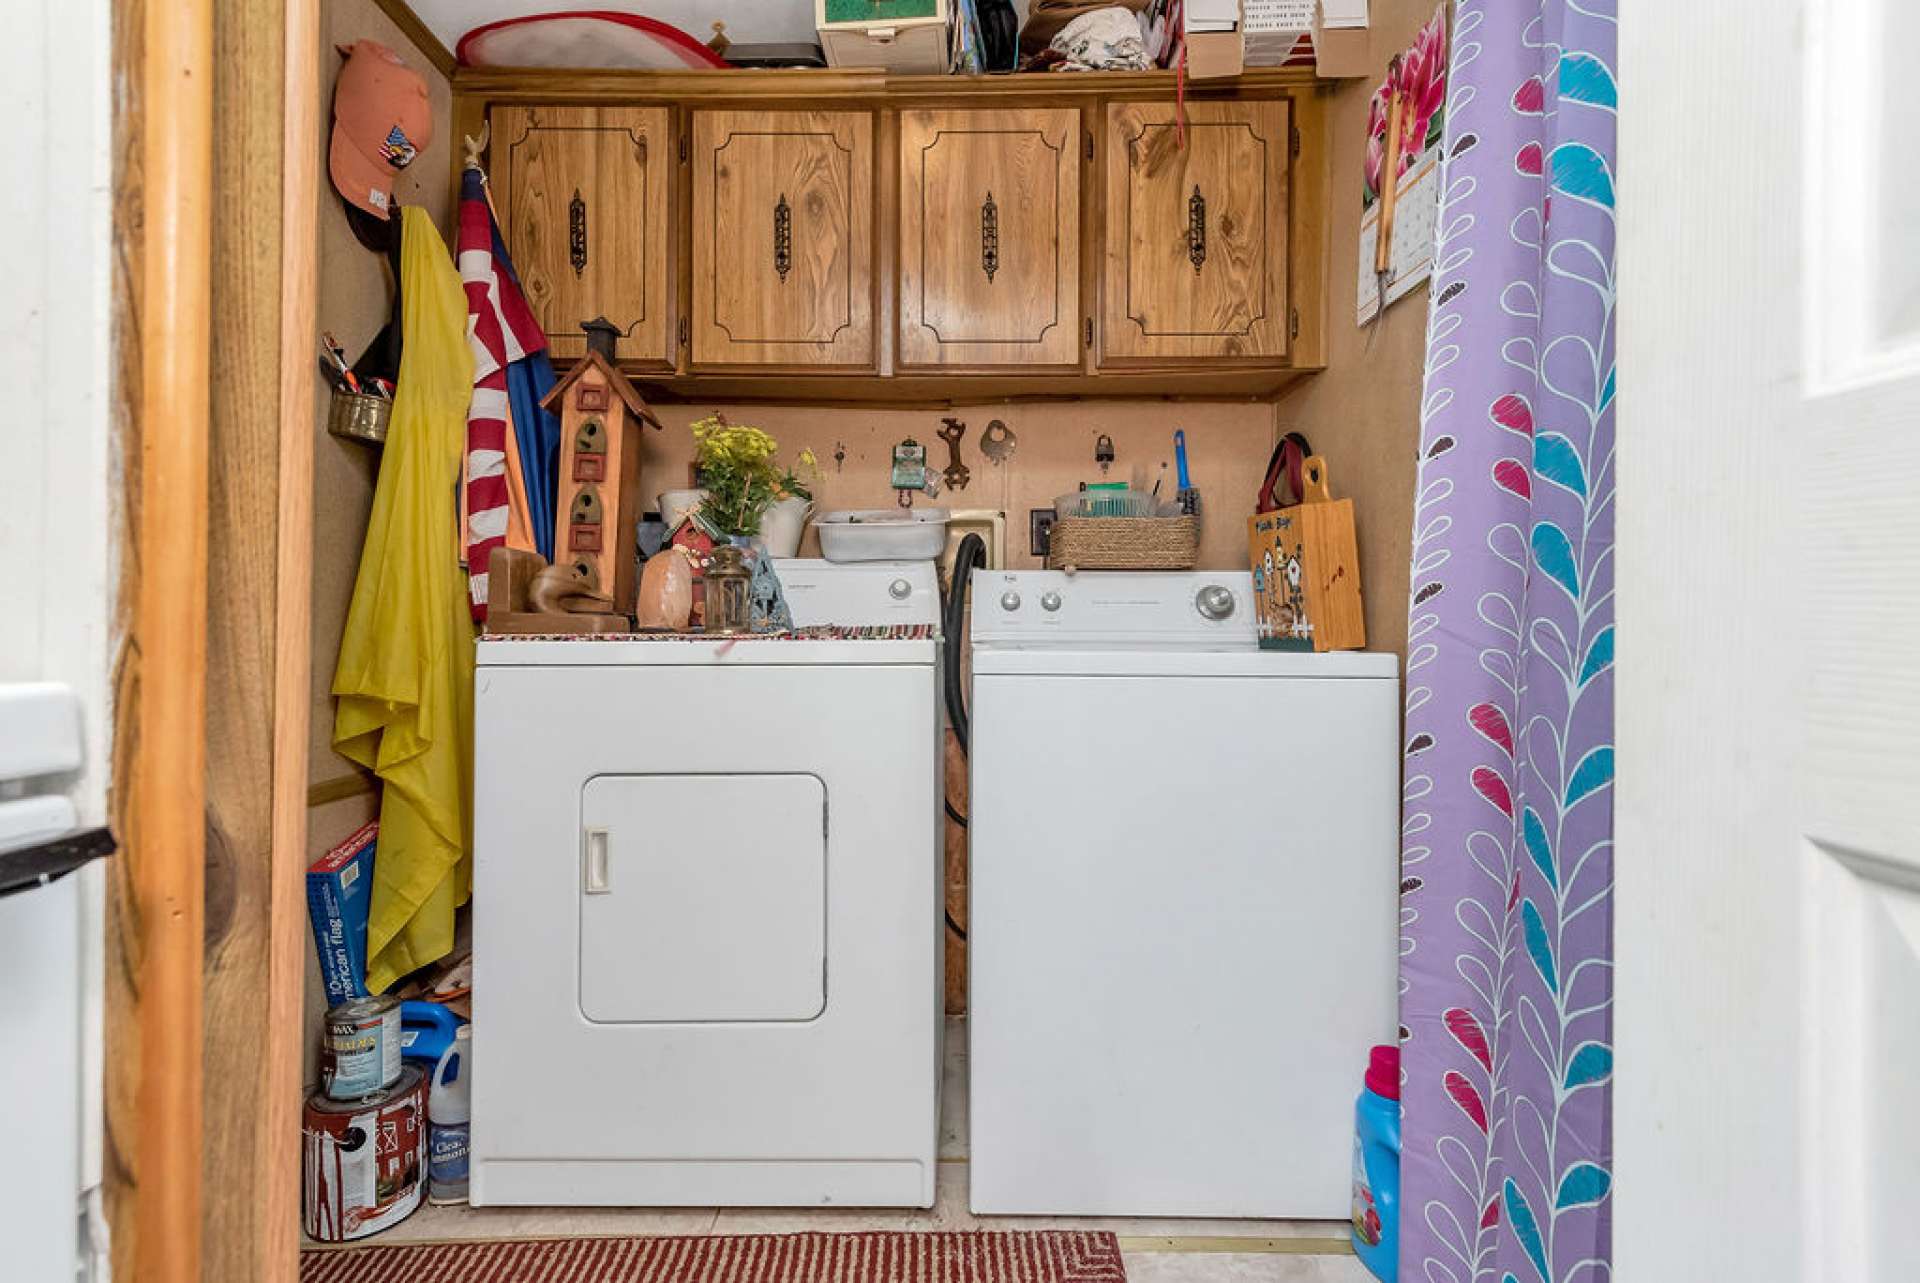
(1383, 1073)
(582, 39)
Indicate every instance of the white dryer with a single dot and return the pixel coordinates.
(707, 910)
(1184, 884)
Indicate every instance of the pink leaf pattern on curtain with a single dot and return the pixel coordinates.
(1506, 908)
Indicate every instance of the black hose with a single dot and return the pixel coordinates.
(972, 552)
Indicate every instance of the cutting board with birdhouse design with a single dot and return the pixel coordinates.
(1306, 571)
(596, 518)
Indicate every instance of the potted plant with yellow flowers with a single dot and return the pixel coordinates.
(735, 467)
(748, 496)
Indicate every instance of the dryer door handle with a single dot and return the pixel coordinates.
(593, 865)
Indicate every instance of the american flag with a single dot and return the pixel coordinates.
(502, 331)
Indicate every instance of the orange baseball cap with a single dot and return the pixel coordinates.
(381, 121)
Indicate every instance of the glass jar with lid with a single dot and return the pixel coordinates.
(729, 583)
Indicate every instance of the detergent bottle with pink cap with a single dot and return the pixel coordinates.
(1376, 1167)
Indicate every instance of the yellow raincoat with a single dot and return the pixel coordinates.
(405, 677)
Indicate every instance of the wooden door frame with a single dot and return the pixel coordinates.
(216, 139)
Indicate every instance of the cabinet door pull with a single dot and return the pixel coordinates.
(989, 238)
(1197, 229)
(783, 238)
(577, 233)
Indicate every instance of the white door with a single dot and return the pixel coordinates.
(58, 477)
(1767, 1100)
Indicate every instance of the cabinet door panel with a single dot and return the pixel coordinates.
(585, 203)
(1196, 235)
(783, 239)
(990, 238)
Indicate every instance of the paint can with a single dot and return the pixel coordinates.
(363, 1163)
(360, 1055)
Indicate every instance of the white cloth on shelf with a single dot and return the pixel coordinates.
(1104, 40)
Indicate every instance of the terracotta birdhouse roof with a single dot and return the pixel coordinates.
(555, 399)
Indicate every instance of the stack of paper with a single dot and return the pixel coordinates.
(1277, 32)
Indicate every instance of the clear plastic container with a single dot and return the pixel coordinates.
(1105, 503)
(883, 534)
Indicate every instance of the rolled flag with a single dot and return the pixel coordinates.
(509, 354)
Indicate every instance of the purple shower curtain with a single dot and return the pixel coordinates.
(1506, 909)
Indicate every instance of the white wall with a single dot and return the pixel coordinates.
(56, 582)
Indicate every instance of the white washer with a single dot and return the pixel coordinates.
(707, 911)
(1183, 896)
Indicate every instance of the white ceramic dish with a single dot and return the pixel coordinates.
(883, 534)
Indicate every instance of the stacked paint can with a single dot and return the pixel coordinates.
(364, 1144)
(360, 1054)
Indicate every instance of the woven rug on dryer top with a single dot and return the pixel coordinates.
(1023, 1256)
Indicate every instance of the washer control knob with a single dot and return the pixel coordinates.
(1009, 600)
(1214, 602)
(899, 590)
(1050, 601)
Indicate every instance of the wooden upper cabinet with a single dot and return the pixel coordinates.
(783, 239)
(1196, 233)
(584, 198)
(990, 238)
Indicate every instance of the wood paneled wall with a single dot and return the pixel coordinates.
(1363, 410)
(1227, 441)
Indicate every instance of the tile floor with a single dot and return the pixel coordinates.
(1157, 1250)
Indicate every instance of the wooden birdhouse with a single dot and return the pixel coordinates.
(598, 501)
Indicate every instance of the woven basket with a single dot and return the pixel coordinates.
(1124, 543)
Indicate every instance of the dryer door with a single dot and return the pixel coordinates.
(703, 898)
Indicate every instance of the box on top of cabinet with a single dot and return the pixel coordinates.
(898, 35)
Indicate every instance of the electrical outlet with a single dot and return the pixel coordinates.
(1039, 530)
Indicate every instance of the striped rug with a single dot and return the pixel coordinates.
(1023, 1256)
